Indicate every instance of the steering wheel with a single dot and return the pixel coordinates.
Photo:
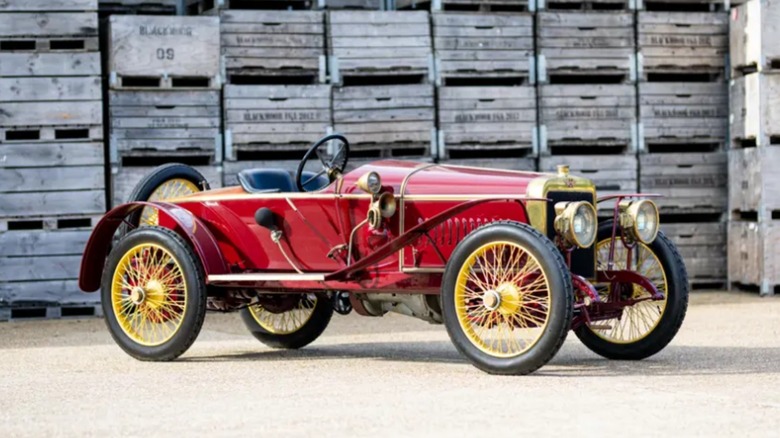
(332, 167)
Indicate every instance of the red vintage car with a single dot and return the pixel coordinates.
(508, 261)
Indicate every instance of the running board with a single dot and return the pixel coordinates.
(259, 278)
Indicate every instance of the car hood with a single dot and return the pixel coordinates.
(438, 179)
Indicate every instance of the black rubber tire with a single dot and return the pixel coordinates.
(159, 175)
(311, 330)
(672, 318)
(562, 302)
(196, 294)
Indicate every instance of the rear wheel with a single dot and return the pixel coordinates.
(507, 298)
(289, 321)
(153, 294)
(645, 328)
(164, 182)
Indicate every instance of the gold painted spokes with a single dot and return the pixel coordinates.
(639, 320)
(502, 299)
(149, 294)
(173, 188)
(287, 322)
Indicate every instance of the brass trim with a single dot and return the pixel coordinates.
(402, 207)
(539, 187)
(423, 270)
(232, 197)
(228, 278)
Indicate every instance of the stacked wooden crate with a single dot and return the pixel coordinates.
(587, 96)
(275, 104)
(164, 102)
(381, 65)
(51, 154)
(754, 198)
(683, 115)
(486, 96)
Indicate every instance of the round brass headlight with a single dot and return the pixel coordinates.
(577, 223)
(644, 220)
(370, 183)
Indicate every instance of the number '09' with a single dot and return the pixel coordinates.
(164, 53)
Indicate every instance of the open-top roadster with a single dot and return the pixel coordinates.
(509, 261)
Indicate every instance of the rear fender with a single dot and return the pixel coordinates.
(187, 225)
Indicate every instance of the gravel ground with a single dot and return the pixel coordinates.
(392, 376)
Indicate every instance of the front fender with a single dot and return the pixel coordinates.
(188, 226)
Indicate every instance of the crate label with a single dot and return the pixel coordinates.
(293, 116)
(167, 122)
(488, 117)
(702, 181)
(688, 112)
(592, 42)
(152, 30)
(591, 113)
(681, 40)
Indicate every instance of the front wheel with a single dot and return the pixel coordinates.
(507, 298)
(645, 328)
(289, 321)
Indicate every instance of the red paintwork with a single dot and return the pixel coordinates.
(171, 216)
(221, 227)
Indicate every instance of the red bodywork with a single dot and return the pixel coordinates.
(437, 206)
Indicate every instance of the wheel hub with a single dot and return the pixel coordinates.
(510, 298)
(155, 293)
(491, 299)
(137, 295)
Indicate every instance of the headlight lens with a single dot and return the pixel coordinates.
(576, 222)
(643, 220)
(370, 183)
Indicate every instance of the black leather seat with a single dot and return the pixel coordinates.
(276, 181)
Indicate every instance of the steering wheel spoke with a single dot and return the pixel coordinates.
(315, 176)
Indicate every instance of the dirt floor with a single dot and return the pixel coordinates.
(392, 376)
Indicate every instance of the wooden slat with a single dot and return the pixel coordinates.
(47, 179)
(24, 89)
(48, 5)
(82, 202)
(50, 154)
(51, 113)
(48, 24)
(49, 64)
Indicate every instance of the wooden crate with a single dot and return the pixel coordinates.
(525, 164)
(586, 44)
(39, 268)
(600, 115)
(473, 120)
(754, 181)
(612, 174)
(379, 43)
(689, 182)
(58, 179)
(50, 108)
(273, 43)
(478, 46)
(585, 5)
(125, 178)
(682, 113)
(753, 37)
(754, 254)
(164, 52)
(271, 118)
(392, 119)
(682, 43)
(755, 110)
(165, 123)
(703, 248)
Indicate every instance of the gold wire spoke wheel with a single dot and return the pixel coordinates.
(149, 294)
(639, 320)
(170, 189)
(288, 322)
(502, 299)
